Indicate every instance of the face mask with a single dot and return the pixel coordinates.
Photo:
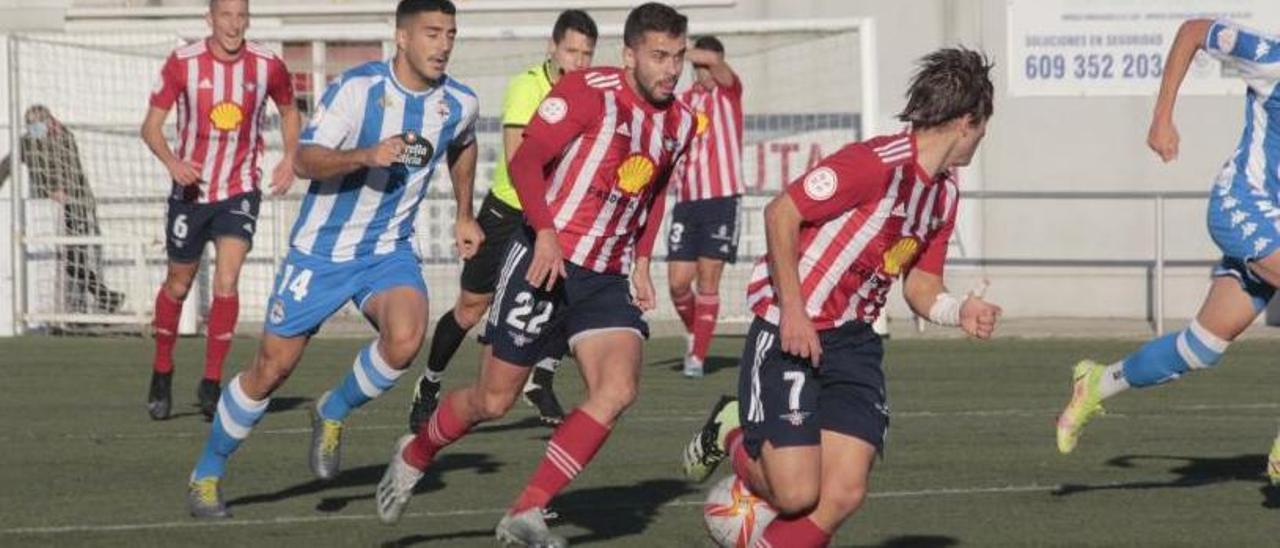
(38, 130)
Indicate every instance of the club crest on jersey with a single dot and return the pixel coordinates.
(635, 173)
(553, 110)
(703, 122)
(900, 255)
(226, 116)
(820, 184)
(1227, 39)
(442, 108)
(277, 311)
(416, 151)
(796, 417)
(670, 143)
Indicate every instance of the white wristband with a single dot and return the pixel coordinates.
(945, 310)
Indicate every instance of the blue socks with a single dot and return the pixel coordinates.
(370, 376)
(235, 418)
(1168, 357)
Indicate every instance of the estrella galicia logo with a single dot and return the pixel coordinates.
(417, 150)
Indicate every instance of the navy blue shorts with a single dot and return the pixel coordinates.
(500, 223)
(787, 402)
(190, 224)
(704, 228)
(528, 324)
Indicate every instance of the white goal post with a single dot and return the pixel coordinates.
(812, 85)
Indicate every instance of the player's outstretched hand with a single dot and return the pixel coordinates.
(799, 338)
(978, 317)
(642, 284)
(183, 172)
(468, 236)
(548, 262)
(282, 177)
(1163, 139)
(385, 152)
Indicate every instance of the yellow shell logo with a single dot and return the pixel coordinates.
(635, 173)
(899, 255)
(226, 116)
(703, 122)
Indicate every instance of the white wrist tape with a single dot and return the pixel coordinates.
(945, 310)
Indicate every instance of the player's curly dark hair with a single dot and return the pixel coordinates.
(653, 17)
(950, 83)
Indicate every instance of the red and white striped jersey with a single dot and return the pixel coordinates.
(619, 151)
(713, 167)
(220, 112)
(871, 214)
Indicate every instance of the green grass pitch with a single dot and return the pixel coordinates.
(970, 459)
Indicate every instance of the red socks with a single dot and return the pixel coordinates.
(165, 324)
(442, 429)
(684, 308)
(222, 326)
(706, 310)
(801, 532)
(573, 445)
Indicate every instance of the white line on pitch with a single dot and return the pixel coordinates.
(290, 520)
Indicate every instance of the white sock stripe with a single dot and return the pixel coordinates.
(231, 427)
(243, 400)
(381, 365)
(1187, 354)
(433, 431)
(362, 379)
(562, 462)
(1207, 338)
(572, 462)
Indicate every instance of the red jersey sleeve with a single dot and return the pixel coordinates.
(843, 181)
(279, 84)
(566, 112)
(935, 252)
(734, 90)
(169, 84)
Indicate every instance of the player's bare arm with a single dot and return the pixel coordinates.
(721, 72)
(928, 297)
(317, 162)
(462, 172)
(782, 232)
(1162, 137)
(181, 171)
(290, 128)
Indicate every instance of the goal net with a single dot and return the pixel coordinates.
(94, 252)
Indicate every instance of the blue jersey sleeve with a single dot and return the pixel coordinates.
(1254, 54)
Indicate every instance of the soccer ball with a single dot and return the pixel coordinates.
(735, 517)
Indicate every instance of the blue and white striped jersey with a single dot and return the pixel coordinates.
(1255, 166)
(371, 211)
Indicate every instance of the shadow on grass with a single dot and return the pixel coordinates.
(713, 364)
(1190, 472)
(916, 541)
(369, 476)
(607, 513)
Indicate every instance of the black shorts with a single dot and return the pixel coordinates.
(190, 224)
(786, 401)
(500, 223)
(528, 324)
(704, 228)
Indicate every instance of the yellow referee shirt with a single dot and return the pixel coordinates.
(524, 94)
